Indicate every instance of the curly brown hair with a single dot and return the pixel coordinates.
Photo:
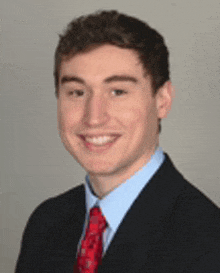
(112, 27)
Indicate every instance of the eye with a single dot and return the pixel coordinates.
(76, 93)
(119, 92)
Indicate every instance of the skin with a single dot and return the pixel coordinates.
(93, 101)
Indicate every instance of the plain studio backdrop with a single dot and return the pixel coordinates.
(34, 163)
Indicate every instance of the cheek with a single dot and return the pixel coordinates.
(133, 117)
(64, 122)
(140, 123)
(68, 118)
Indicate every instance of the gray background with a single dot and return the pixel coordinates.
(34, 164)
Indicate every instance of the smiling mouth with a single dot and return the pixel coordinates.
(99, 143)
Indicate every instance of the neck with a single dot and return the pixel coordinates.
(100, 183)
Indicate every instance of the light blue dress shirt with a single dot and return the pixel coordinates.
(115, 205)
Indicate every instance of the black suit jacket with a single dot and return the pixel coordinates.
(170, 228)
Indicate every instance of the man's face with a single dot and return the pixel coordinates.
(107, 114)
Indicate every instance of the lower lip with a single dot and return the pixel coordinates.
(99, 149)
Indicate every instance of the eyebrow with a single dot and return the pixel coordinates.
(66, 79)
(121, 78)
(114, 78)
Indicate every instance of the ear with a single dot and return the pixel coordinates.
(164, 98)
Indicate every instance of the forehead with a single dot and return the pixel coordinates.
(102, 62)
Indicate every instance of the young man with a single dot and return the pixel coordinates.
(136, 212)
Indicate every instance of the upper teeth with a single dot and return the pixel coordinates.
(100, 140)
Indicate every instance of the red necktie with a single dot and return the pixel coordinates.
(90, 254)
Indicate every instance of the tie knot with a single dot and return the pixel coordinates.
(97, 222)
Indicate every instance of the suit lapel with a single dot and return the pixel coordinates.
(79, 215)
(145, 225)
(62, 238)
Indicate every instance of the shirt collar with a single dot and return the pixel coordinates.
(121, 198)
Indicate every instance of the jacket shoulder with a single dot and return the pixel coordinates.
(58, 207)
(183, 190)
(45, 223)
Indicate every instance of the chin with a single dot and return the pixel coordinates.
(100, 170)
(96, 168)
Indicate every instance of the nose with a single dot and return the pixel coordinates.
(96, 111)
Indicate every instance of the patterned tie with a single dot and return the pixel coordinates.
(90, 254)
